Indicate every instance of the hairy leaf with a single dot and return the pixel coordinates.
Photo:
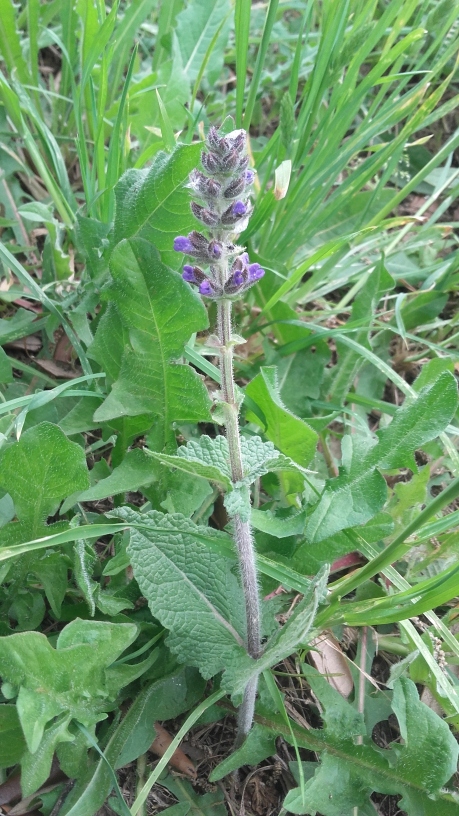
(191, 591)
(153, 203)
(160, 313)
(70, 681)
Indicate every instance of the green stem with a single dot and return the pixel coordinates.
(242, 532)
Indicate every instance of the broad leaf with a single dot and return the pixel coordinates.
(358, 494)
(12, 743)
(209, 459)
(154, 204)
(291, 435)
(160, 313)
(161, 700)
(38, 471)
(191, 591)
(70, 681)
(286, 639)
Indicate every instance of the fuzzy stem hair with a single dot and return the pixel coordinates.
(242, 532)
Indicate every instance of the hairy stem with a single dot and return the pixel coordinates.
(242, 532)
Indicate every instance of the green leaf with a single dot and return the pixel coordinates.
(291, 435)
(267, 522)
(359, 493)
(154, 204)
(38, 471)
(284, 642)
(363, 309)
(35, 767)
(12, 743)
(10, 46)
(191, 591)
(163, 699)
(208, 458)
(197, 25)
(348, 773)
(70, 681)
(259, 745)
(134, 471)
(160, 313)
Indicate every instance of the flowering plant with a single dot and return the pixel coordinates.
(224, 208)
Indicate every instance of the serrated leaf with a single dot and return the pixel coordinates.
(154, 204)
(291, 435)
(160, 313)
(349, 772)
(208, 458)
(191, 591)
(356, 496)
(237, 502)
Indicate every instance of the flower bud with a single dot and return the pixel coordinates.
(235, 188)
(182, 244)
(207, 217)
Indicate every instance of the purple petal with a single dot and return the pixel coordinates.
(182, 244)
(205, 288)
(239, 208)
(188, 274)
(244, 258)
(255, 272)
(249, 176)
(215, 249)
(238, 278)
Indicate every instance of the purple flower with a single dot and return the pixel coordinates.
(188, 274)
(205, 288)
(249, 176)
(182, 244)
(215, 249)
(239, 208)
(255, 272)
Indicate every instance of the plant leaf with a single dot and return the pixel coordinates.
(356, 496)
(197, 25)
(38, 471)
(291, 435)
(67, 682)
(351, 772)
(160, 313)
(154, 204)
(191, 591)
(209, 459)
